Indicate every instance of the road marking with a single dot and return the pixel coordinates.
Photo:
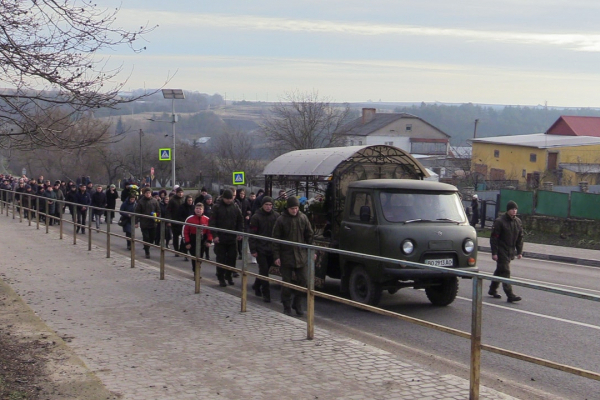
(536, 314)
(549, 283)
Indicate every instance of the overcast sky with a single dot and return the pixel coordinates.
(524, 52)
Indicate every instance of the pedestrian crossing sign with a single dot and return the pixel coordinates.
(239, 178)
(164, 154)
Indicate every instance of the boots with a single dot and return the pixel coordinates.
(298, 306)
(513, 298)
(287, 310)
(494, 294)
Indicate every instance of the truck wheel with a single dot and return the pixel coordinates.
(362, 287)
(443, 294)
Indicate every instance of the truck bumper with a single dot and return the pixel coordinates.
(415, 273)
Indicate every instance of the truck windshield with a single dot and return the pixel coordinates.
(422, 206)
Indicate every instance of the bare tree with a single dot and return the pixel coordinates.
(305, 121)
(49, 62)
(232, 152)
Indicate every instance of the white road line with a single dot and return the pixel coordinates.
(535, 314)
(549, 283)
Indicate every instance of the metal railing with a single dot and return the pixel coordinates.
(477, 281)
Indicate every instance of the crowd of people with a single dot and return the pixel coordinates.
(232, 210)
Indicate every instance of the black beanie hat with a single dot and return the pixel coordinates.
(293, 202)
(266, 199)
(510, 205)
(227, 194)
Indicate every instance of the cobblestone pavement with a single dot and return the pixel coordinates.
(151, 339)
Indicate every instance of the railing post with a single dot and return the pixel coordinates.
(21, 208)
(310, 296)
(37, 212)
(13, 204)
(75, 224)
(89, 225)
(198, 259)
(133, 241)
(108, 235)
(244, 276)
(476, 306)
(162, 250)
(60, 220)
(47, 217)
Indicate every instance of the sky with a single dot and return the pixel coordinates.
(512, 52)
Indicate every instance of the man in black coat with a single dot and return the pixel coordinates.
(226, 215)
(506, 241)
(262, 223)
(147, 205)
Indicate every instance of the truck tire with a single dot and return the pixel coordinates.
(362, 287)
(443, 294)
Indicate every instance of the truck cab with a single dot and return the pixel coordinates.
(417, 221)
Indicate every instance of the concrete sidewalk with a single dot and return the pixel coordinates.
(151, 339)
(570, 255)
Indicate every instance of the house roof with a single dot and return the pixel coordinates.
(540, 140)
(379, 121)
(575, 126)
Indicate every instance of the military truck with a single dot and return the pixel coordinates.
(375, 201)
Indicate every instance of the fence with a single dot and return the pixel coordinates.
(475, 336)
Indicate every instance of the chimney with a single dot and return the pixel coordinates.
(368, 114)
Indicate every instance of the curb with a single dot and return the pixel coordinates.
(551, 257)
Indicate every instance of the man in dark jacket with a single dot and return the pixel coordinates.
(292, 225)
(172, 213)
(262, 223)
(474, 210)
(98, 200)
(111, 203)
(82, 197)
(226, 215)
(147, 205)
(506, 241)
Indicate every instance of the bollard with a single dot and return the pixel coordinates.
(310, 296)
(197, 257)
(162, 250)
(476, 306)
(133, 241)
(244, 276)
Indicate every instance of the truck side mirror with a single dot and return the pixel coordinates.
(365, 214)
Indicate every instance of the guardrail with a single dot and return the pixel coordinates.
(7, 203)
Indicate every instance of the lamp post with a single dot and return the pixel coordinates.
(173, 94)
(141, 164)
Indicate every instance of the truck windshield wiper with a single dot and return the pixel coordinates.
(448, 220)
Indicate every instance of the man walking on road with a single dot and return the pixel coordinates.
(226, 215)
(292, 226)
(147, 205)
(507, 243)
(262, 223)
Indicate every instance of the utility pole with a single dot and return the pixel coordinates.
(141, 164)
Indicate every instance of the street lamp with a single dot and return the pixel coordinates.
(173, 94)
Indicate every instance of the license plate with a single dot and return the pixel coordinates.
(441, 262)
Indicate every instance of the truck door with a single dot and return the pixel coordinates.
(356, 235)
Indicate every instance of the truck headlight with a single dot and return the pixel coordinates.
(468, 246)
(408, 247)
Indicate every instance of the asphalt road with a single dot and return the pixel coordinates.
(546, 325)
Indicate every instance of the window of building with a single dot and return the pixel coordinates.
(352, 143)
(533, 157)
(524, 173)
(428, 148)
(496, 153)
(389, 143)
(360, 142)
(408, 127)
